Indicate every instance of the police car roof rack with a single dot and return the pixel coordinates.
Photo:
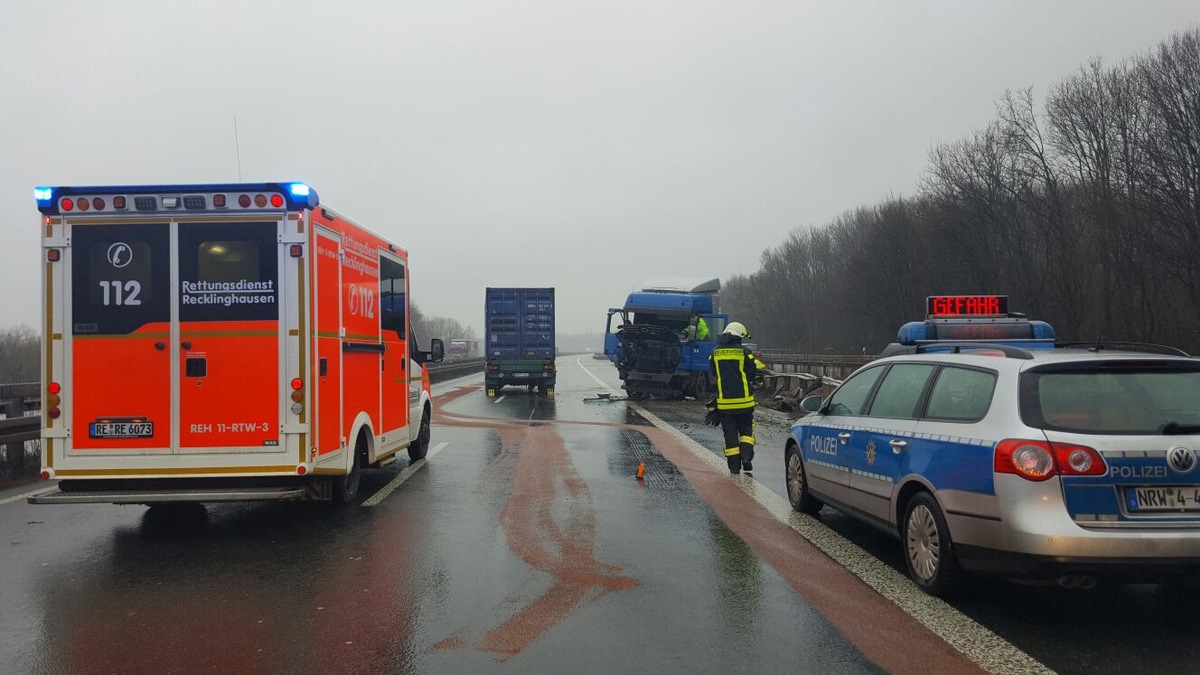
(1009, 351)
(1144, 347)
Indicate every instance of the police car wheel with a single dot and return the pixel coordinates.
(420, 447)
(928, 551)
(797, 484)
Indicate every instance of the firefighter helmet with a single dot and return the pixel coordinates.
(736, 329)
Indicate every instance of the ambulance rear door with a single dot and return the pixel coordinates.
(229, 369)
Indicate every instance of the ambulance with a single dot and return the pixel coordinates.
(227, 342)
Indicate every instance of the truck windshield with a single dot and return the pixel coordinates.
(1113, 398)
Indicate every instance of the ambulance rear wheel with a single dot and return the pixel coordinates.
(345, 488)
(420, 447)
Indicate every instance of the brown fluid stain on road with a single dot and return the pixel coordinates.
(880, 629)
(545, 477)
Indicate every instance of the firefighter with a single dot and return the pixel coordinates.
(735, 370)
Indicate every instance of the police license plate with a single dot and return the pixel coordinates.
(1180, 498)
(121, 429)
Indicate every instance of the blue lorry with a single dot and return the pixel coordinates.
(660, 340)
(519, 339)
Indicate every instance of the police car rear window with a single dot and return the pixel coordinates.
(1113, 398)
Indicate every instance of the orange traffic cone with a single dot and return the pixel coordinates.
(641, 470)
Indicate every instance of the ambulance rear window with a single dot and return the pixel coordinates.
(228, 271)
(120, 278)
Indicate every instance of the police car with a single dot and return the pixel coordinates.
(987, 447)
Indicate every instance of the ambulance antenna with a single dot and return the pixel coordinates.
(237, 148)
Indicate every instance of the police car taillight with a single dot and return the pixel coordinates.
(1039, 460)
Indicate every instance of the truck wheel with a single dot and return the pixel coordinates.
(928, 551)
(550, 393)
(420, 447)
(491, 392)
(345, 488)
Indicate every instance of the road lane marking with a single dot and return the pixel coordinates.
(990, 651)
(501, 398)
(579, 362)
(404, 475)
(17, 498)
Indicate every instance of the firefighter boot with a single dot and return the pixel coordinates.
(735, 464)
(747, 458)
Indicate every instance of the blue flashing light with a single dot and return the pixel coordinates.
(913, 332)
(299, 189)
(43, 194)
(1043, 331)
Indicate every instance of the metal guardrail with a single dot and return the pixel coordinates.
(450, 369)
(16, 400)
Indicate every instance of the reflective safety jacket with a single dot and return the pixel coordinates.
(735, 369)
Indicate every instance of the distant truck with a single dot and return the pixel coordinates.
(660, 340)
(519, 339)
(457, 350)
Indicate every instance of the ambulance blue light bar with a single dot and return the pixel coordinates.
(292, 196)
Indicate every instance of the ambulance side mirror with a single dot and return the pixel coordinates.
(437, 350)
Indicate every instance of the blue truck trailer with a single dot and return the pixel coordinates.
(519, 339)
(660, 340)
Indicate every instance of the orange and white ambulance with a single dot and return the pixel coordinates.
(226, 342)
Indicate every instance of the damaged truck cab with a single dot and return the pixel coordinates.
(660, 340)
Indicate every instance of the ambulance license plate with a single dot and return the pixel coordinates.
(121, 429)
(1179, 498)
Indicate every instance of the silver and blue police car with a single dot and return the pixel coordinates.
(987, 447)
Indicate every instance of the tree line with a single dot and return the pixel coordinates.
(1084, 210)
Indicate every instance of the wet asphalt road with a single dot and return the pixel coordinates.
(519, 547)
(525, 544)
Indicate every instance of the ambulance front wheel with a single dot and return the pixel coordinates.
(420, 447)
(345, 488)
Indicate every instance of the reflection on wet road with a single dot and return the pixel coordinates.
(525, 543)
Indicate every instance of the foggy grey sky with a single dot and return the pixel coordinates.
(583, 146)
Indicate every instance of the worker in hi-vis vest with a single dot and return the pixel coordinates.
(735, 369)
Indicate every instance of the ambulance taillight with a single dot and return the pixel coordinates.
(297, 396)
(53, 400)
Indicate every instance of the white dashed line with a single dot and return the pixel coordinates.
(500, 398)
(404, 475)
(992, 652)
